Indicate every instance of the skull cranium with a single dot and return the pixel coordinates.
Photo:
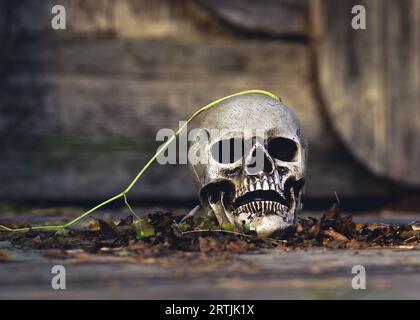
(262, 184)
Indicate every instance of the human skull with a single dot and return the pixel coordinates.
(261, 185)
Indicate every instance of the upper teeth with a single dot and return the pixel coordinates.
(257, 183)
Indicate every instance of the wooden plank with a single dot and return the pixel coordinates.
(275, 18)
(79, 117)
(369, 80)
(315, 273)
(151, 18)
(118, 18)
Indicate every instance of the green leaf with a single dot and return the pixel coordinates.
(210, 225)
(228, 227)
(246, 228)
(64, 232)
(144, 229)
(197, 221)
(182, 226)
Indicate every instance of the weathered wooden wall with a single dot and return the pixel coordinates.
(80, 108)
(370, 81)
(156, 18)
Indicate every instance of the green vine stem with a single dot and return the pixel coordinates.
(143, 170)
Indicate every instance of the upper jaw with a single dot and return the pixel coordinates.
(253, 183)
(261, 196)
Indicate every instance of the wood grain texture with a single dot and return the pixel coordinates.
(281, 273)
(370, 82)
(118, 18)
(276, 18)
(153, 18)
(79, 118)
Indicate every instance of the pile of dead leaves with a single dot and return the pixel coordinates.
(334, 230)
(163, 233)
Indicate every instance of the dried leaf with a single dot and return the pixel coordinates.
(335, 235)
(163, 234)
(127, 221)
(108, 228)
(5, 255)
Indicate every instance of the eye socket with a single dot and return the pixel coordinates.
(228, 150)
(282, 149)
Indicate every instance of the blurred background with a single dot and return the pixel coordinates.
(80, 108)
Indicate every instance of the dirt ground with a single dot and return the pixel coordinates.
(210, 265)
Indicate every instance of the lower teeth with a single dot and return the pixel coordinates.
(256, 207)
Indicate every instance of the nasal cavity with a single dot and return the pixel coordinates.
(259, 162)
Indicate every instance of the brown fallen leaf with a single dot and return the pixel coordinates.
(108, 228)
(5, 255)
(127, 221)
(335, 235)
(55, 254)
(94, 226)
(82, 258)
(237, 246)
(314, 231)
